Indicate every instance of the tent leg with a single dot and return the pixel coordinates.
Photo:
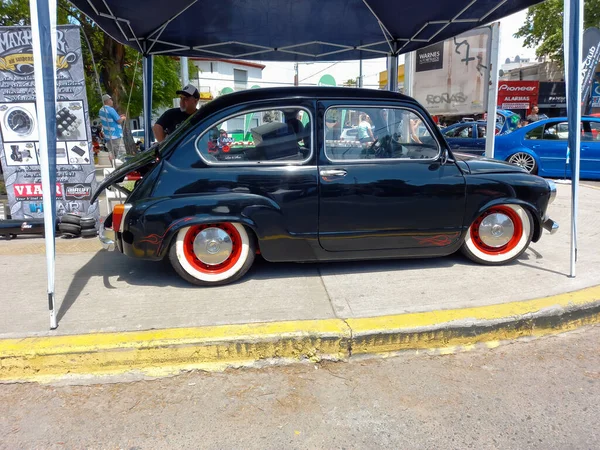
(43, 31)
(573, 17)
(492, 101)
(147, 68)
(392, 73)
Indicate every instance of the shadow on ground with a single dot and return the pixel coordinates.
(109, 265)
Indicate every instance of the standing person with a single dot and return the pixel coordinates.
(534, 116)
(365, 133)
(111, 125)
(172, 118)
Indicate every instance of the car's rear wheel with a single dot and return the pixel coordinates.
(499, 235)
(524, 160)
(212, 254)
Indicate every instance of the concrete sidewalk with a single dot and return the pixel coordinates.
(286, 310)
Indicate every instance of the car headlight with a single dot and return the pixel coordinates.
(552, 187)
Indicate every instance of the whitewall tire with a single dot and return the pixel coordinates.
(499, 235)
(212, 254)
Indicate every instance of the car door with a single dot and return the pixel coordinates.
(548, 141)
(460, 138)
(590, 149)
(394, 193)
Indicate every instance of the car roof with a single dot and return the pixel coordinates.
(557, 119)
(300, 93)
(477, 122)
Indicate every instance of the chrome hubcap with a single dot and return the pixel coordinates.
(523, 160)
(213, 246)
(496, 230)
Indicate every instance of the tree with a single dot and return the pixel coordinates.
(543, 26)
(117, 68)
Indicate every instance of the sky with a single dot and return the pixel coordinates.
(310, 73)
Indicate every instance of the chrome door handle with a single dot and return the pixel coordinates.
(535, 146)
(333, 173)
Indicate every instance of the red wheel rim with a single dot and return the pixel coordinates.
(511, 244)
(199, 265)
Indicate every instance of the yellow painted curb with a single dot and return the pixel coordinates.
(161, 352)
(168, 351)
(468, 326)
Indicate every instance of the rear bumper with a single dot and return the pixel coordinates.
(107, 237)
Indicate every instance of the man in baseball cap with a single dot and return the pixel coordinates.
(172, 118)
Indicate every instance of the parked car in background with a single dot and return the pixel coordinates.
(138, 136)
(349, 134)
(468, 137)
(300, 196)
(541, 148)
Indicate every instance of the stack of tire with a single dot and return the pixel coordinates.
(73, 225)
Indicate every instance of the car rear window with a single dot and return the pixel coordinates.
(265, 136)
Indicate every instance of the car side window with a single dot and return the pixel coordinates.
(382, 133)
(464, 131)
(556, 131)
(591, 131)
(536, 133)
(481, 131)
(267, 136)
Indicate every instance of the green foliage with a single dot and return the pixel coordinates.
(116, 67)
(165, 82)
(543, 28)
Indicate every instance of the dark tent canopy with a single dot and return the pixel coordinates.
(284, 30)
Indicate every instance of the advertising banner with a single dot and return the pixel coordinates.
(595, 99)
(591, 57)
(19, 142)
(452, 77)
(518, 94)
(552, 94)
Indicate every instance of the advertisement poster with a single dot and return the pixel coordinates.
(451, 77)
(518, 95)
(19, 141)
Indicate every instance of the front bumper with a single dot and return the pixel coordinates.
(550, 225)
(107, 237)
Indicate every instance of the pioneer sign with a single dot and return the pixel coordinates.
(19, 149)
(519, 95)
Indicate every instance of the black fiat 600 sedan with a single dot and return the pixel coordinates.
(269, 171)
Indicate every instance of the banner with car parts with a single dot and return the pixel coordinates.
(19, 150)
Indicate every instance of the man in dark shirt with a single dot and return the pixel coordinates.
(172, 118)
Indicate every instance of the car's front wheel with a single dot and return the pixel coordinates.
(524, 160)
(499, 235)
(212, 254)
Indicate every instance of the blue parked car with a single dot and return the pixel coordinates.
(468, 137)
(541, 148)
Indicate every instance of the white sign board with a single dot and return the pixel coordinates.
(452, 77)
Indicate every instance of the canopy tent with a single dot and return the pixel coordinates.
(283, 30)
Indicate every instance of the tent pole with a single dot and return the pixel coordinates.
(185, 78)
(409, 73)
(573, 16)
(492, 101)
(43, 33)
(147, 86)
(393, 73)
